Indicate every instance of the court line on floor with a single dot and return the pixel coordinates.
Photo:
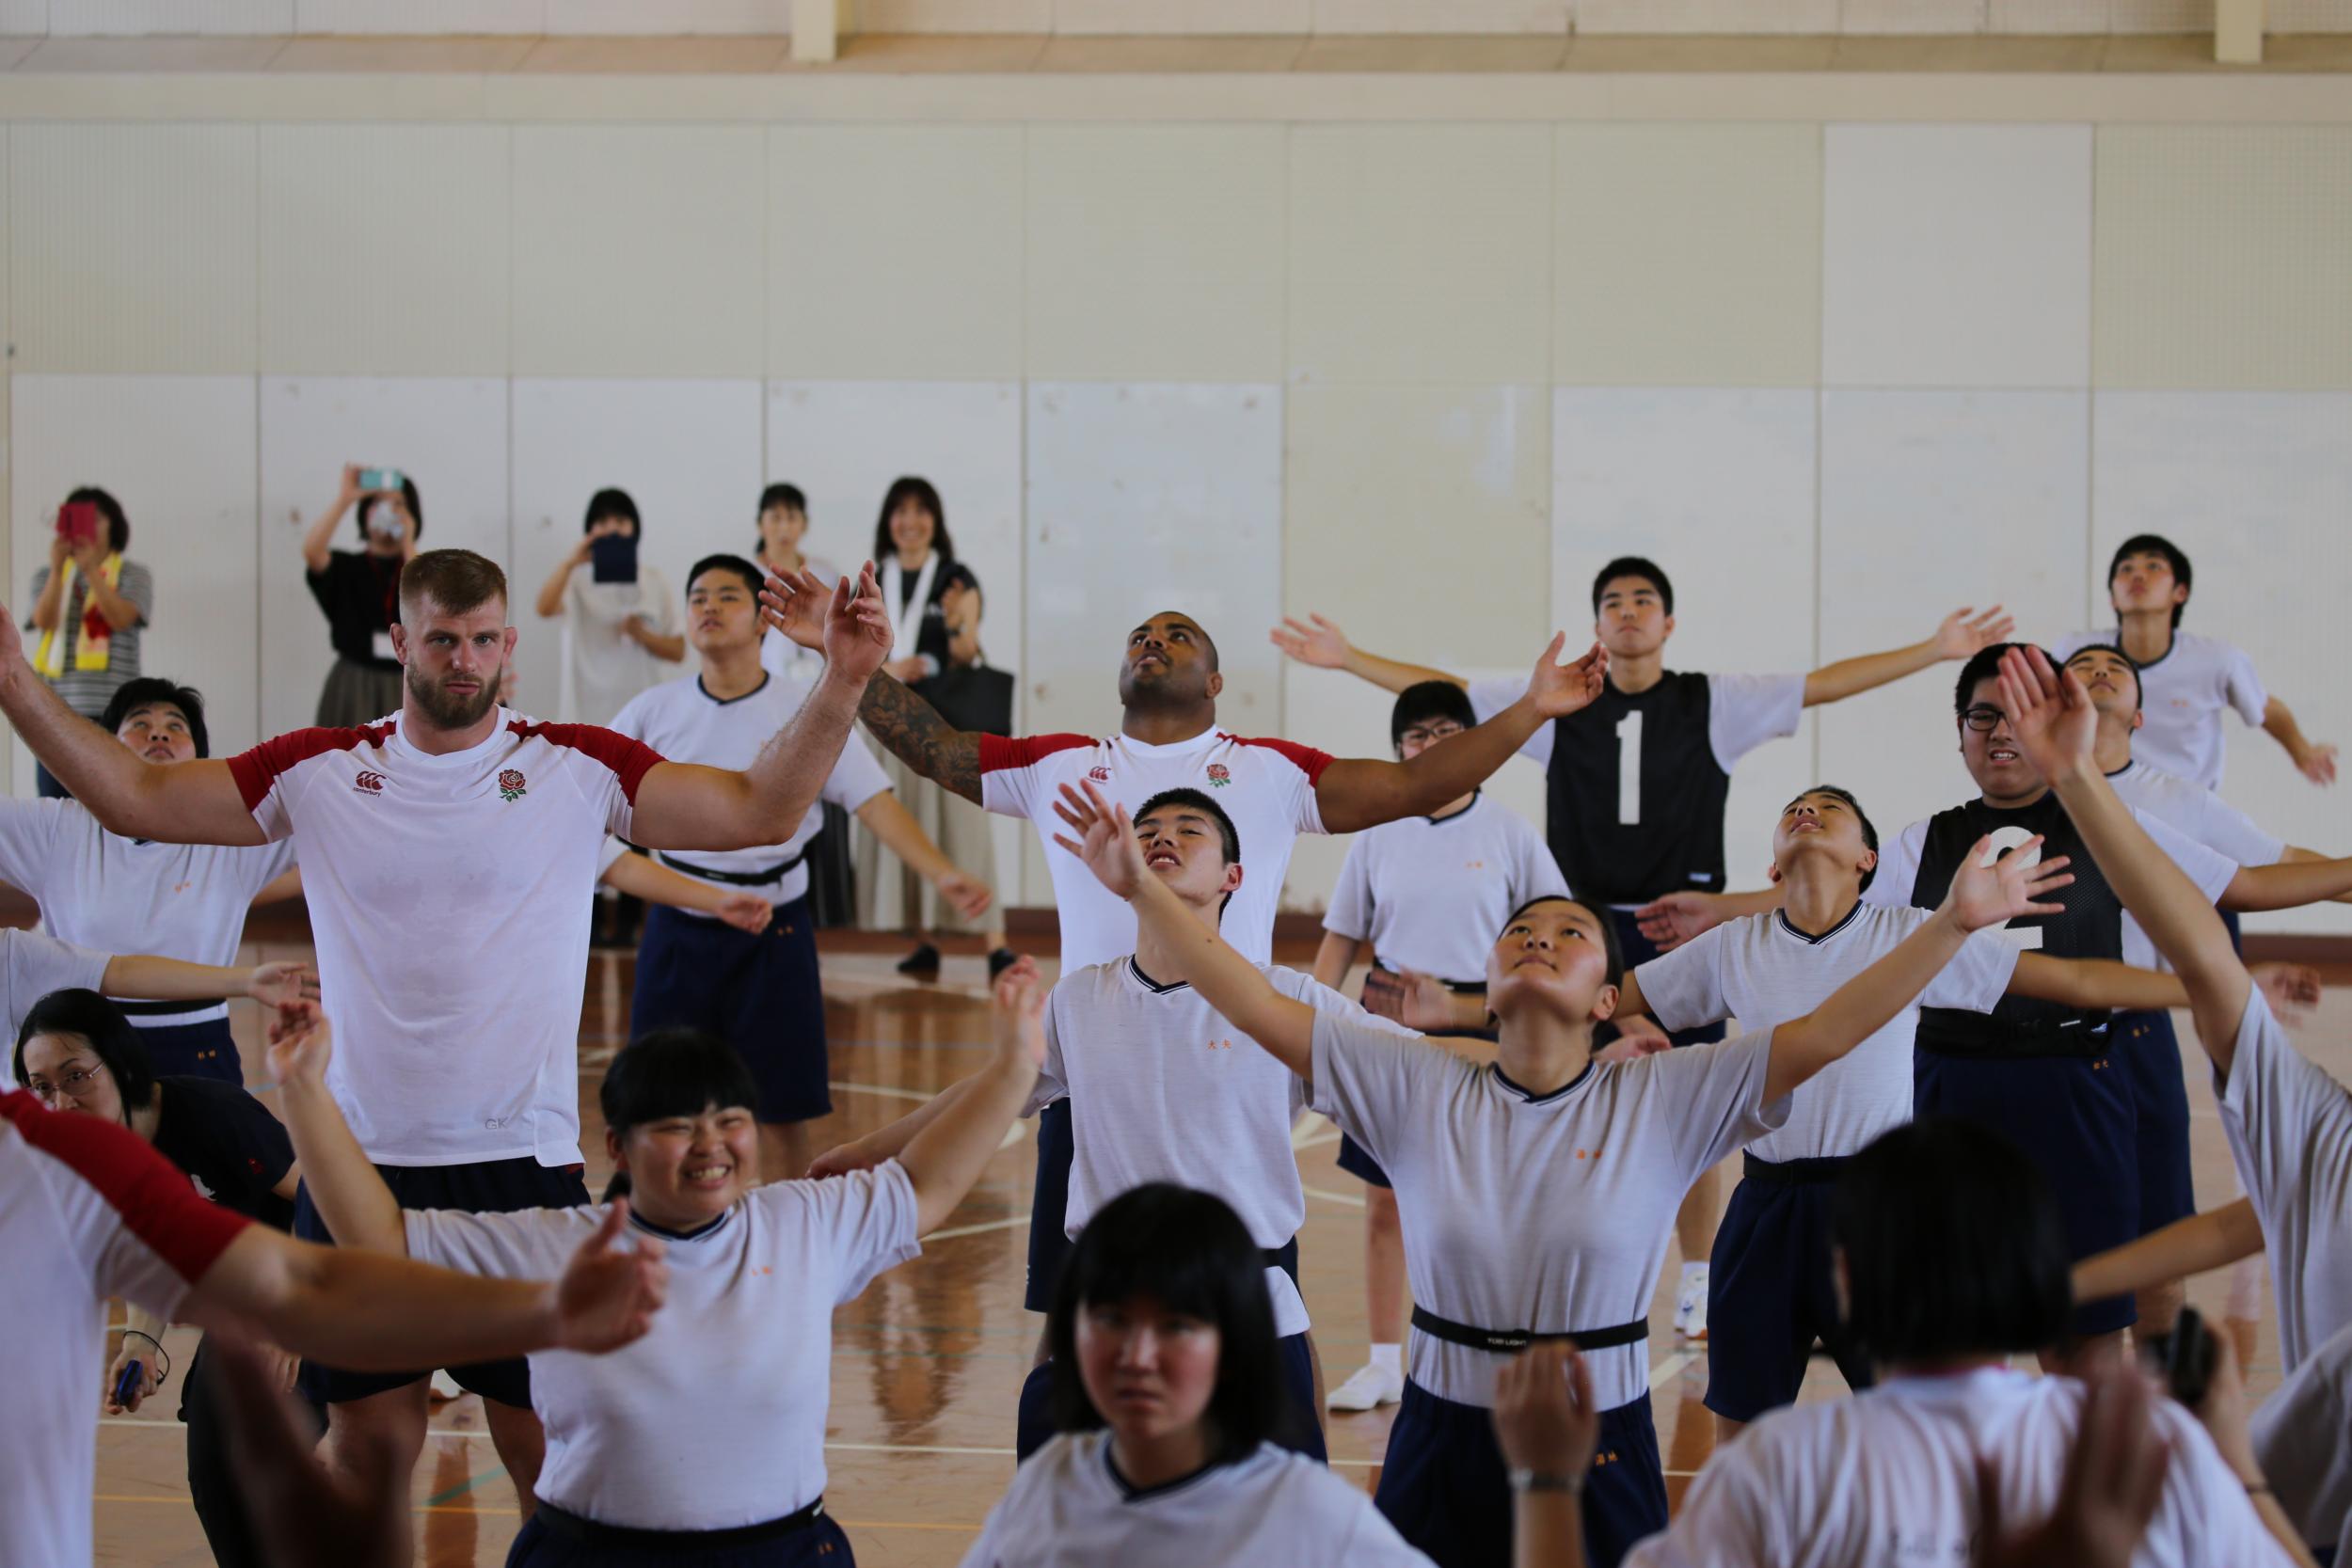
(953, 1231)
(1668, 1370)
(1353, 1200)
(885, 1090)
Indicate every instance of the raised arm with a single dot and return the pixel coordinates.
(317, 540)
(2197, 1245)
(150, 977)
(2289, 884)
(358, 1209)
(1362, 792)
(1320, 643)
(1225, 980)
(2051, 716)
(948, 1153)
(1672, 919)
(1962, 633)
(903, 836)
(550, 602)
(2315, 761)
(684, 806)
(1981, 897)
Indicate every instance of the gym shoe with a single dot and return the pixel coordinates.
(921, 964)
(999, 961)
(1368, 1389)
(445, 1388)
(1691, 1306)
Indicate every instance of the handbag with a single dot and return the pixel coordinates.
(972, 697)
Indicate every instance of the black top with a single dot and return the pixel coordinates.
(230, 1145)
(2091, 926)
(931, 636)
(1676, 843)
(361, 594)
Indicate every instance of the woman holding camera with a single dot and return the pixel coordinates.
(90, 605)
(358, 591)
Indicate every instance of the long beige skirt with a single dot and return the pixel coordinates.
(890, 897)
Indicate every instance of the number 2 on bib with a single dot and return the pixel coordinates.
(2004, 840)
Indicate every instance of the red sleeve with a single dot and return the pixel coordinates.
(149, 1195)
(257, 769)
(999, 753)
(1305, 758)
(629, 760)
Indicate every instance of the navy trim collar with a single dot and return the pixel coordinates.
(1533, 1098)
(765, 677)
(1791, 926)
(1150, 984)
(1454, 815)
(1130, 1493)
(698, 1233)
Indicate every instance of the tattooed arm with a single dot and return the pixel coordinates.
(918, 737)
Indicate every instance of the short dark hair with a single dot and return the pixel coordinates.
(147, 691)
(612, 503)
(1634, 566)
(1601, 917)
(1953, 1245)
(905, 489)
(2154, 544)
(1870, 831)
(112, 1040)
(456, 580)
(1424, 701)
(2139, 689)
(1189, 1253)
(1227, 833)
(1982, 666)
(118, 524)
(675, 1073)
(416, 509)
(753, 577)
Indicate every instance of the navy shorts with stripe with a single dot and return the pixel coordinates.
(205, 1049)
(1638, 949)
(483, 1187)
(1049, 1206)
(1446, 1489)
(2148, 1052)
(1770, 1295)
(2073, 1117)
(760, 994)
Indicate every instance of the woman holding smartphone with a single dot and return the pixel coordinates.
(90, 605)
(358, 591)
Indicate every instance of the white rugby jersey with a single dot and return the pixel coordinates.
(31, 966)
(716, 1417)
(450, 900)
(684, 722)
(185, 901)
(1432, 893)
(88, 1211)
(1266, 787)
(1069, 1507)
(2195, 812)
(2182, 697)
(1162, 1088)
(1893, 1476)
(1548, 1212)
(2290, 1128)
(1761, 970)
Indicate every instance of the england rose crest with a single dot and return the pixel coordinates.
(1219, 775)
(511, 784)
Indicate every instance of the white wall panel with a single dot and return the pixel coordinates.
(1717, 488)
(844, 442)
(2257, 487)
(420, 17)
(1141, 499)
(449, 436)
(1956, 256)
(177, 451)
(73, 18)
(687, 452)
(1933, 500)
(670, 18)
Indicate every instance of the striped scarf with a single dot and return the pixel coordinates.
(91, 652)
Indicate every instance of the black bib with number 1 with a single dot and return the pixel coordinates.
(1634, 796)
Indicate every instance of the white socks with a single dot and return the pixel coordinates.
(1390, 1359)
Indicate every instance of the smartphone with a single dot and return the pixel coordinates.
(77, 523)
(381, 479)
(614, 558)
(128, 1383)
(2184, 1359)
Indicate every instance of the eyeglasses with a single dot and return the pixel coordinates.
(1983, 718)
(75, 1084)
(1420, 736)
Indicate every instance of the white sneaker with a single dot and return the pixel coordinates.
(445, 1388)
(1691, 1306)
(1368, 1389)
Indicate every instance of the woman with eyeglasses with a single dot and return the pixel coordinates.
(76, 1051)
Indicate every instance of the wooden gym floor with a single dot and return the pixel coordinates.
(927, 1363)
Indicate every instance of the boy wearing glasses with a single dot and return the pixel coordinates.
(1421, 892)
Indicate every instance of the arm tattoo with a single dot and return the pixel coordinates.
(918, 737)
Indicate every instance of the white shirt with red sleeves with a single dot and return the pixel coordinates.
(449, 898)
(1266, 787)
(88, 1211)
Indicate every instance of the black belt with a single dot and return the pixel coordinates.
(1792, 1173)
(166, 1009)
(1509, 1342)
(734, 878)
(1460, 988)
(571, 1527)
(2082, 1045)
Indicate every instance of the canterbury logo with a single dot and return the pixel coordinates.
(368, 783)
(1100, 775)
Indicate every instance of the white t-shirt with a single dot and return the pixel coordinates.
(1266, 787)
(1892, 1476)
(2195, 812)
(715, 1418)
(88, 1211)
(2182, 696)
(603, 667)
(1761, 970)
(1162, 1088)
(1069, 1507)
(686, 724)
(1431, 892)
(450, 899)
(116, 895)
(2300, 1443)
(2290, 1128)
(1551, 1213)
(31, 966)
(1743, 713)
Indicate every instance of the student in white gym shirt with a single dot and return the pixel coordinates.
(1536, 1190)
(704, 1441)
(448, 857)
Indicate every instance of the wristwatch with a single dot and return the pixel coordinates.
(1546, 1481)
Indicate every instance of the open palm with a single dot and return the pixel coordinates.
(1965, 632)
(1559, 690)
(857, 633)
(1988, 891)
(301, 1043)
(1107, 839)
(795, 605)
(2049, 711)
(1314, 640)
